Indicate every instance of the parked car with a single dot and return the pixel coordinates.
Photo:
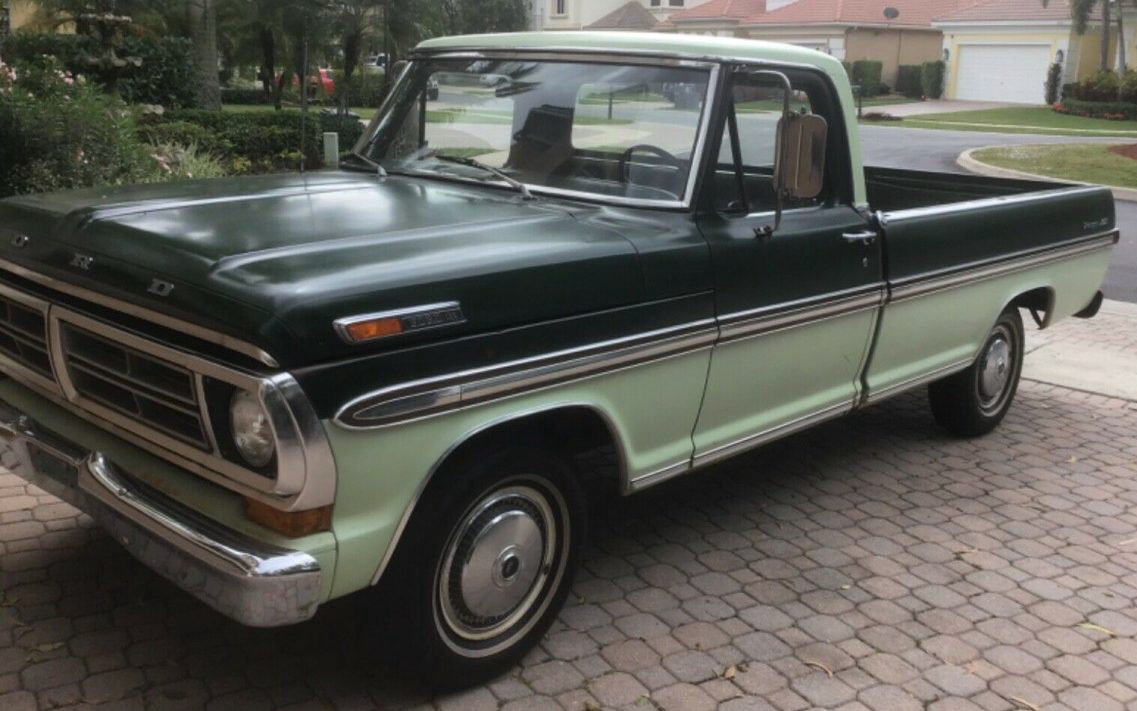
(277, 390)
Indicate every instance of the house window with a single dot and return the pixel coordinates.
(558, 7)
(673, 3)
(656, 3)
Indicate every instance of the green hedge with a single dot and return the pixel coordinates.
(244, 97)
(932, 79)
(866, 72)
(365, 89)
(910, 80)
(165, 76)
(256, 141)
(1114, 110)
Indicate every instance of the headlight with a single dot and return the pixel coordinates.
(252, 433)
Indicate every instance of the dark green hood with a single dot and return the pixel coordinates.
(274, 260)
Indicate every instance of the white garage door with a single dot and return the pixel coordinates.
(1013, 73)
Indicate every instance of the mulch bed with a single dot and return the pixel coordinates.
(1129, 150)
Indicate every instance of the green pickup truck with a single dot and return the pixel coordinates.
(279, 390)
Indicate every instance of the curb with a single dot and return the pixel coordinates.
(969, 163)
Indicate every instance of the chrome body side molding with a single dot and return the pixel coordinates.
(932, 282)
(400, 403)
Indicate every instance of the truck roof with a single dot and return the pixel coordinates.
(717, 48)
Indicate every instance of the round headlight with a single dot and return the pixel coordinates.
(252, 433)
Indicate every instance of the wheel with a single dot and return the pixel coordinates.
(485, 567)
(973, 402)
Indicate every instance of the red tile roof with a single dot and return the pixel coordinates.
(860, 12)
(1008, 10)
(630, 16)
(918, 13)
(721, 10)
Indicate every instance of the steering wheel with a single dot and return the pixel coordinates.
(626, 156)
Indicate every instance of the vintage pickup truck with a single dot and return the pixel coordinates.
(279, 390)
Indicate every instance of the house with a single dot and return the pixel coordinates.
(585, 14)
(631, 16)
(894, 32)
(1022, 39)
(14, 14)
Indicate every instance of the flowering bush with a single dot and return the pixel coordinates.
(58, 132)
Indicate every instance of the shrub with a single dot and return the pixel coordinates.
(1128, 89)
(909, 81)
(184, 133)
(263, 140)
(932, 78)
(244, 96)
(1103, 86)
(347, 126)
(1068, 90)
(59, 132)
(1113, 110)
(185, 162)
(165, 76)
(866, 72)
(1053, 79)
(364, 89)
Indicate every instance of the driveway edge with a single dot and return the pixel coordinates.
(970, 163)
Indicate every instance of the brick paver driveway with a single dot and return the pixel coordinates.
(871, 563)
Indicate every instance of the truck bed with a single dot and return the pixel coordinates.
(937, 223)
(892, 189)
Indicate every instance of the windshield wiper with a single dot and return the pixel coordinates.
(379, 170)
(497, 173)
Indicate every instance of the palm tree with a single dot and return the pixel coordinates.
(355, 20)
(1080, 11)
(202, 19)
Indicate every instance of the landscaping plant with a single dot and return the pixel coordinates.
(932, 78)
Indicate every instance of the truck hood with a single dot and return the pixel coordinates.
(275, 260)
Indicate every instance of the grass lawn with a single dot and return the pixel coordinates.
(1022, 119)
(1090, 163)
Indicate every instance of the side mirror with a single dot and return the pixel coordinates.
(799, 167)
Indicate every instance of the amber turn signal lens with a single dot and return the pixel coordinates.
(375, 328)
(289, 523)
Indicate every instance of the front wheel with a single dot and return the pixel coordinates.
(972, 402)
(485, 567)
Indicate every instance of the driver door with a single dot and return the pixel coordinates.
(796, 307)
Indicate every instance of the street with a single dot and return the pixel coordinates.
(928, 149)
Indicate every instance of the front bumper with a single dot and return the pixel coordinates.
(253, 582)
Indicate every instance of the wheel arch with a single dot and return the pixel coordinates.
(1040, 299)
(595, 427)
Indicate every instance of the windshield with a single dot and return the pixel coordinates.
(611, 130)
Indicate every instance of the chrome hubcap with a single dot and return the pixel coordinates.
(497, 563)
(995, 369)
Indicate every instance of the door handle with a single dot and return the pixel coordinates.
(865, 237)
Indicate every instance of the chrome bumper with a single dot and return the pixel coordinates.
(255, 583)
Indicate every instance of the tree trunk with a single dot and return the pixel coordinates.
(268, 60)
(1106, 22)
(203, 31)
(352, 48)
(1120, 42)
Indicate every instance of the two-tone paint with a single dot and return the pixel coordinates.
(677, 332)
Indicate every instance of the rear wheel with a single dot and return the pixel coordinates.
(973, 402)
(485, 567)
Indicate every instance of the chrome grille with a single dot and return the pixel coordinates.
(23, 335)
(151, 391)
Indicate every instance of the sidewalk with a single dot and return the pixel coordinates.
(937, 107)
(1096, 356)
(872, 563)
